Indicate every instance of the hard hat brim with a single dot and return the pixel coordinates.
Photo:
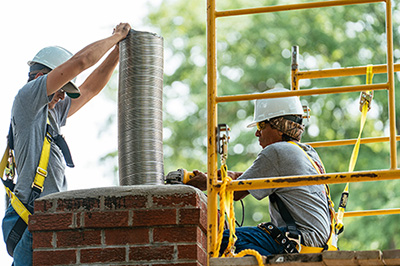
(72, 90)
(253, 124)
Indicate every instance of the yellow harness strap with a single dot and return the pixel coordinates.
(41, 173)
(15, 202)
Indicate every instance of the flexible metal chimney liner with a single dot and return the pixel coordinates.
(140, 143)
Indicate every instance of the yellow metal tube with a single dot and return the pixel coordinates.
(330, 143)
(342, 72)
(300, 6)
(212, 232)
(392, 106)
(306, 180)
(371, 212)
(247, 97)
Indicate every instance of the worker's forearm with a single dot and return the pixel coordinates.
(101, 75)
(238, 195)
(92, 53)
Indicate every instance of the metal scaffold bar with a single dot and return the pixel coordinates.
(307, 180)
(247, 97)
(330, 143)
(211, 129)
(291, 7)
(333, 178)
(342, 72)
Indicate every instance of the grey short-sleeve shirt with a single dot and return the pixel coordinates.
(29, 118)
(307, 204)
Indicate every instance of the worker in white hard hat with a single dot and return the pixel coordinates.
(39, 110)
(301, 212)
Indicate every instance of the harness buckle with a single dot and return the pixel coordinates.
(295, 240)
(41, 171)
(37, 187)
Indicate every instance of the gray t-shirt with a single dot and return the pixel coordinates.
(307, 204)
(29, 118)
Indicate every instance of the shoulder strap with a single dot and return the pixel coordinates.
(10, 137)
(286, 216)
(62, 144)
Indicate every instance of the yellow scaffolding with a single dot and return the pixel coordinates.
(213, 99)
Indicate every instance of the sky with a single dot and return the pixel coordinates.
(28, 26)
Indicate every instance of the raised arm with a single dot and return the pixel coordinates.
(84, 59)
(96, 81)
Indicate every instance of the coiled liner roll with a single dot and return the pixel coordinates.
(140, 92)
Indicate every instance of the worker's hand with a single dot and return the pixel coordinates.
(199, 180)
(122, 29)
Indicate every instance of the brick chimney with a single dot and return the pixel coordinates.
(129, 225)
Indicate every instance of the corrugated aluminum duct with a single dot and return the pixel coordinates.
(140, 127)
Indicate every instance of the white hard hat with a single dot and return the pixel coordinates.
(52, 57)
(265, 109)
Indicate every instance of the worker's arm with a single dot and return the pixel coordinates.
(96, 81)
(237, 195)
(200, 181)
(84, 59)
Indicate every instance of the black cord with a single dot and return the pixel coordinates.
(241, 223)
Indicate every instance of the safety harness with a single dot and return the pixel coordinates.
(292, 241)
(8, 166)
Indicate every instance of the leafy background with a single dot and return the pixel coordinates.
(254, 54)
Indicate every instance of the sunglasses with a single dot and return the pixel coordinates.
(261, 125)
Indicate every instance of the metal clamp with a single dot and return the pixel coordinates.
(222, 141)
(295, 240)
(306, 114)
(366, 98)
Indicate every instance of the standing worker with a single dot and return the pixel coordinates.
(40, 108)
(301, 214)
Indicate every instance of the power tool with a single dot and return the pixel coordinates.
(178, 177)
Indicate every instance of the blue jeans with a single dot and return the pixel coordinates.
(253, 238)
(23, 250)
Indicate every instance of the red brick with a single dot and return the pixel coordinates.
(106, 219)
(192, 252)
(151, 253)
(154, 217)
(78, 238)
(202, 238)
(127, 236)
(187, 252)
(175, 234)
(126, 202)
(56, 257)
(189, 216)
(180, 264)
(203, 218)
(42, 240)
(48, 222)
(78, 204)
(103, 255)
(134, 264)
(41, 206)
(176, 200)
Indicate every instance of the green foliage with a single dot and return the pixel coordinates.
(253, 56)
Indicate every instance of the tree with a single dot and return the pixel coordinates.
(254, 55)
